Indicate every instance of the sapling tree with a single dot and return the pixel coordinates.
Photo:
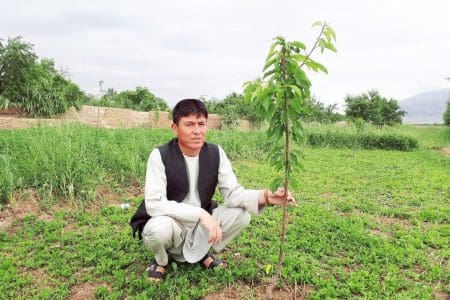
(280, 96)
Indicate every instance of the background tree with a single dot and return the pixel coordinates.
(233, 108)
(447, 114)
(34, 86)
(280, 96)
(318, 112)
(373, 108)
(16, 60)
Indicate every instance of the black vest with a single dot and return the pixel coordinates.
(178, 182)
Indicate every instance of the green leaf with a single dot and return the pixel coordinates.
(296, 90)
(280, 40)
(316, 66)
(326, 45)
(269, 63)
(301, 79)
(300, 58)
(271, 51)
(328, 36)
(268, 269)
(331, 31)
(298, 44)
(317, 23)
(276, 183)
(295, 186)
(269, 73)
(296, 105)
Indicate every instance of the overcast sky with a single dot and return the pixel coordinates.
(182, 49)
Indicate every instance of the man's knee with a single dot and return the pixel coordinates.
(158, 231)
(244, 219)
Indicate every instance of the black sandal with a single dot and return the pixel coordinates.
(214, 263)
(153, 273)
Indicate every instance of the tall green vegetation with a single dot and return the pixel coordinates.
(280, 96)
(71, 160)
(140, 99)
(32, 85)
(374, 108)
(447, 114)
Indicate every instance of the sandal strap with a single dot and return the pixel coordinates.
(153, 271)
(214, 263)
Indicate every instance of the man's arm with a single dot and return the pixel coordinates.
(156, 201)
(234, 194)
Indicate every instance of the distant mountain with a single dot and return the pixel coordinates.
(425, 108)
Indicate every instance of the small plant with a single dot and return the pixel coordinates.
(281, 96)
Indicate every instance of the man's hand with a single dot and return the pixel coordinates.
(279, 198)
(215, 233)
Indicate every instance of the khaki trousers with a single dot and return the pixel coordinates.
(164, 235)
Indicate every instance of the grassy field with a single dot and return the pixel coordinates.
(370, 223)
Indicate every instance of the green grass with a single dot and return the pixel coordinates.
(369, 224)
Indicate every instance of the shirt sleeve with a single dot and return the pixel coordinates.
(156, 201)
(234, 194)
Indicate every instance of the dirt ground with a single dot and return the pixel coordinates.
(241, 290)
(446, 151)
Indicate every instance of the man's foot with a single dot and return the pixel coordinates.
(209, 262)
(155, 271)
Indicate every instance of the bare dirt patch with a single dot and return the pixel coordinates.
(446, 151)
(244, 291)
(441, 295)
(390, 221)
(26, 203)
(85, 291)
(328, 195)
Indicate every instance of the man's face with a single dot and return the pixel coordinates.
(191, 133)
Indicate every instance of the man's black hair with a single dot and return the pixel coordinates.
(187, 107)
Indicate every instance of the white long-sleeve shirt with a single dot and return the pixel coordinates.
(189, 209)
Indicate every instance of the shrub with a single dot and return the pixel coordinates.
(364, 141)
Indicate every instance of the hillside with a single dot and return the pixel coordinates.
(425, 108)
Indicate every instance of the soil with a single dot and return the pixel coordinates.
(85, 291)
(27, 202)
(445, 151)
(242, 290)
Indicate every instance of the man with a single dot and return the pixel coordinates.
(182, 175)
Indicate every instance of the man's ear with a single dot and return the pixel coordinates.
(174, 128)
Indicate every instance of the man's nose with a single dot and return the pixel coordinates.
(196, 128)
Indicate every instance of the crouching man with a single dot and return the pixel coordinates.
(178, 220)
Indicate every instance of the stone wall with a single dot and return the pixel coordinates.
(107, 117)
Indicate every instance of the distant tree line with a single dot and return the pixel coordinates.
(233, 108)
(35, 87)
(140, 99)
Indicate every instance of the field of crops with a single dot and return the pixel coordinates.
(370, 223)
